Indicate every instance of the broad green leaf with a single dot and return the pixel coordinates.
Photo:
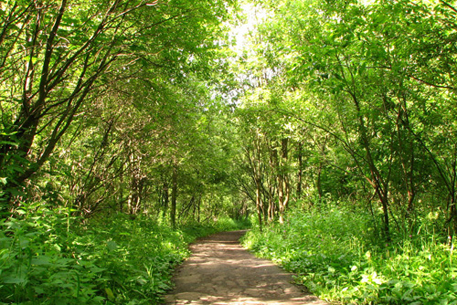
(111, 245)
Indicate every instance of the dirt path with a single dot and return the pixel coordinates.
(220, 271)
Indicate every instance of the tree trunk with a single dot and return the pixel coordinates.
(318, 182)
(377, 180)
(174, 195)
(283, 180)
(198, 209)
(271, 204)
(300, 170)
(165, 200)
(259, 204)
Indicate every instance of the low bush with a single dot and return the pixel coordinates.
(51, 257)
(337, 255)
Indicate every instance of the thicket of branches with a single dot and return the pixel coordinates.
(353, 101)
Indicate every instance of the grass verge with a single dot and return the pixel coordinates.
(51, 257)
(337, 255)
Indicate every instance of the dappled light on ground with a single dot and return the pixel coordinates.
(220, 271)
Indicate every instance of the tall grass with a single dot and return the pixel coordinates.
(338, 255)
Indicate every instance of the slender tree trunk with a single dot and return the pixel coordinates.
(174, 195)
(198, 209)
(259, 204)
(380, 185)
(121, 193)
(300, 170)
(165, 200)
(271, 204)
(283, 181)
(407, 155)
(281, 198)
(319, 182)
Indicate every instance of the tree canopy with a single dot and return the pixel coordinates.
(189, 111)
(138, 106)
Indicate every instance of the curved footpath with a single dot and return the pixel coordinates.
(220, 271)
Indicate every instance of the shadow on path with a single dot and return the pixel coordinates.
(220, 271)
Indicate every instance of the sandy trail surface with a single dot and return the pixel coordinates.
(221, 271)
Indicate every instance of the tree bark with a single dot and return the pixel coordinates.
(174, 195)
(165, 200)
(300, 170)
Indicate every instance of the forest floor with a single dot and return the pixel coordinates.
(221, 271)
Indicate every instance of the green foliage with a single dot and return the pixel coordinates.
(52, 257)
(100, 96)
(363, 92)
(338, 255)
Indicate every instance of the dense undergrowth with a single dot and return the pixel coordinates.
(338, 255)
(51, 257)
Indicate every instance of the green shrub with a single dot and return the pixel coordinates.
(50, 257)
(339, 256)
